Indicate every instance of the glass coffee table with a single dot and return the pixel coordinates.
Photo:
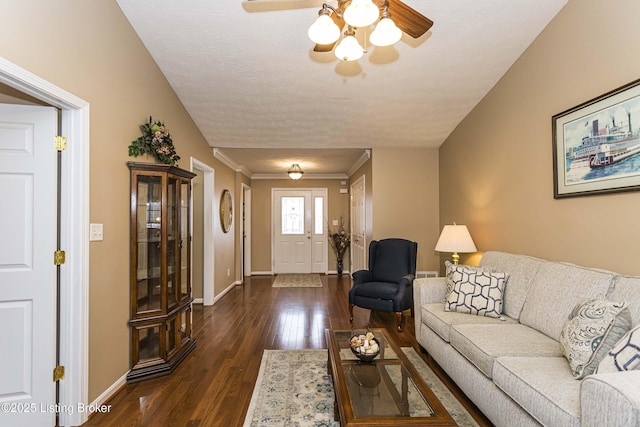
(387, 391)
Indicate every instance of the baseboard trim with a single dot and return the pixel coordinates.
(198, 300)
(335, 272)
(225, 291)
(111, 391)
(262, 273)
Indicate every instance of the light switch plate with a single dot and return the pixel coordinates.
(95, 232)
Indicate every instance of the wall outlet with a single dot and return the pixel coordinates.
(228, 272)
(335, 222)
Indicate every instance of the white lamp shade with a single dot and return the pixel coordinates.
(349, 49)
(455, 238)
(361, 13)
(324, 30)
(386, 33)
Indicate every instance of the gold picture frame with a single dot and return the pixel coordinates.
(226, 211)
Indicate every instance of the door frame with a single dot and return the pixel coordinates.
(208, 276)
(363, 216)
(74, 276)
(245, 231)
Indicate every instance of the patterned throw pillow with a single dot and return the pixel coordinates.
(624, 356)
(594, 326)
(458, 272)
(476, 291)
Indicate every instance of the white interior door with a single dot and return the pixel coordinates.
(358, 226)
(27, 273)
(292, 227)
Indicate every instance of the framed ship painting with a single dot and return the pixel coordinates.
(596, 145)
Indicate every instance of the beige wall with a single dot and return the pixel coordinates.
(90, 50)
(405, 199)
(496, 168)
(338, 206)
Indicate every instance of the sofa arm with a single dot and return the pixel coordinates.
(611, 399)
(427, 291)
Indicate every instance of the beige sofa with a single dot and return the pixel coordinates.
(513, 368)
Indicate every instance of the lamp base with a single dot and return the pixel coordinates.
(456, 258)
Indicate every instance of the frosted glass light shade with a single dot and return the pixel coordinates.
(295, 172)
(386, 33)
(324, 30)
(361, 13)
(349, 49)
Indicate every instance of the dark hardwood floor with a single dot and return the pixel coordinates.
(213, 386)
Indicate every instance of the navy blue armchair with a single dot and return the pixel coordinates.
(388, 284)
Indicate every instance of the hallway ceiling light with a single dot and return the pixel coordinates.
(295, 172)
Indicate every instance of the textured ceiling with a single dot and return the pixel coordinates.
(250, 79)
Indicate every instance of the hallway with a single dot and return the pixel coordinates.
(213, 386)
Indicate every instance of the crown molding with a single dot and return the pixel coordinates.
(218, 154)
(361, 161)
(305, 176)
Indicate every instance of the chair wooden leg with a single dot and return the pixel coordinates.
(351, 312)
(399, 320)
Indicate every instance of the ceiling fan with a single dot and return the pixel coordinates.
(405, 18)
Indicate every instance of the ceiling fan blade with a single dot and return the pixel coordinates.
(323, 47)
(275, 5)
(329, 47)
(408, 19)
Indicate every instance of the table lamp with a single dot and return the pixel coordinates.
(455, 238)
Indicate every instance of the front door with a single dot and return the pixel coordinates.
(300, 237)
(28, 219)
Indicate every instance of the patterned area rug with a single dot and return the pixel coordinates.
(294, 389)
(297, 281)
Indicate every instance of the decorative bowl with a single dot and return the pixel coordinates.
(365, 346)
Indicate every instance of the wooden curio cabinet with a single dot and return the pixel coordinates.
(160, 276)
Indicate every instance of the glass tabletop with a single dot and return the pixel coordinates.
(383, 388)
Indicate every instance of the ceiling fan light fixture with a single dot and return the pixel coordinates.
(386, 33)
(361, 13)
(324, 30)
(295, 172)
(349, 49)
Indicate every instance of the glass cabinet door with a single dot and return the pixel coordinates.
(184, 246)
(172, 242)
(149, 243)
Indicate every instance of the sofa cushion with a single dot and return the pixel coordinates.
(478, 292)
(625, 354)
(627, 289)
(594, 327)
(522, 269)
(440, 321)
(556, 290)
(482, 344)
(543, 386)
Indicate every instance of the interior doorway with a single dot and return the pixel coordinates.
(74, 236)
(358, 225)
(245, 231)
(202, 231)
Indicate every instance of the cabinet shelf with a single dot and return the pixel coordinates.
(160, 279)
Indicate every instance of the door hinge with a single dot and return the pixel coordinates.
(58, 373)
(60, 143)
(59, 257)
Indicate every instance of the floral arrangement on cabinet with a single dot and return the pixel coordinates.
(155, 141)
(339, 240)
